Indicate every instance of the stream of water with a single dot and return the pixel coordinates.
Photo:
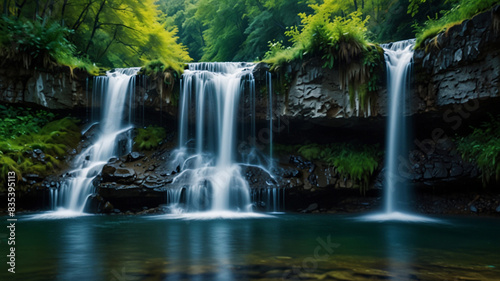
(114, 91)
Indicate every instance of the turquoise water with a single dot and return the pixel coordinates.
(278, 247)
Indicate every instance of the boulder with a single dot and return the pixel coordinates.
(115, 173)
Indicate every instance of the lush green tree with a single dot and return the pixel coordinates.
(231, 30)
(110, 32)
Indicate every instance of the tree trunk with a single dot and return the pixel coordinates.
(63, 9)
(19, 7)
(355, 5)
(37, 8)
(96, 26)
(82, 16)
(110, 42)
(5, 9)
(47, 10)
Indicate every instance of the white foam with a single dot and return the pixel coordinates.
(397, 216)
(212, 215)
(59, 214)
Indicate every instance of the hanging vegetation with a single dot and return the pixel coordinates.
(340, 42)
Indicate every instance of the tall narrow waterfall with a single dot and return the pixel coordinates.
(114, 91)
(399, 60)
(209, 106)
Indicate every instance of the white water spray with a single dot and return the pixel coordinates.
(211, 179)
(114, 90)
(399, 60)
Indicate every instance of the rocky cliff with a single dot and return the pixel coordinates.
(462, 64)
(60, 88)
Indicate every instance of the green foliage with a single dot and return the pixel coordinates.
(352, 161)
(414, 6)
(341, 42)
(38, 43)
(482, 147)
(149, 138)
(52, 139)
(231, 30)
(114, 33)
(464, 9)
(153, 67)
(16, 121)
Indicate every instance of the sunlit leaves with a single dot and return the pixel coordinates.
(113, 33)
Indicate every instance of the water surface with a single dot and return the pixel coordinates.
(289, 247)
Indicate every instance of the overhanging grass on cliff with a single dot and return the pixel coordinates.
(465, 9)
(30, 142)
(340, 42)
(355, 162)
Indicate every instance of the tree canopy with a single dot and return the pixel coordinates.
(113, 33)
(119, 33)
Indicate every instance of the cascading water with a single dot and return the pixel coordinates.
(399, 61)
(210, 176)
(113, 91)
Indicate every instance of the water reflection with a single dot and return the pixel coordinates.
(398, 241)
(117, 248)
(76, 255)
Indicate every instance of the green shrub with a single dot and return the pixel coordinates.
(352, 161)
(149, 138)
(36, 43)
(464, 9)
(482, 147)
(53, 139)
(16, 121)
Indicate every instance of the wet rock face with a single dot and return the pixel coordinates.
(114, 173)
(59, 89)
(134, 182)
(462, 64)
(444, 165)
(314, 94)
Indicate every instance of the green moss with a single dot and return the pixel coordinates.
(482, 147)
(53, 139)
(157, 70)
(149, 138)
(352, 161)
(464, 9)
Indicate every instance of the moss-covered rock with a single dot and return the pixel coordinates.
(37, 150)
(149, 137)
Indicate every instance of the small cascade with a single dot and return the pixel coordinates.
(270, 199)
(114, 92)
(269, 83)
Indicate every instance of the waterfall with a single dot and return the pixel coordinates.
(399, 60)
(271, 199)
(210, 177)
(269, 83)
(114, 91)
